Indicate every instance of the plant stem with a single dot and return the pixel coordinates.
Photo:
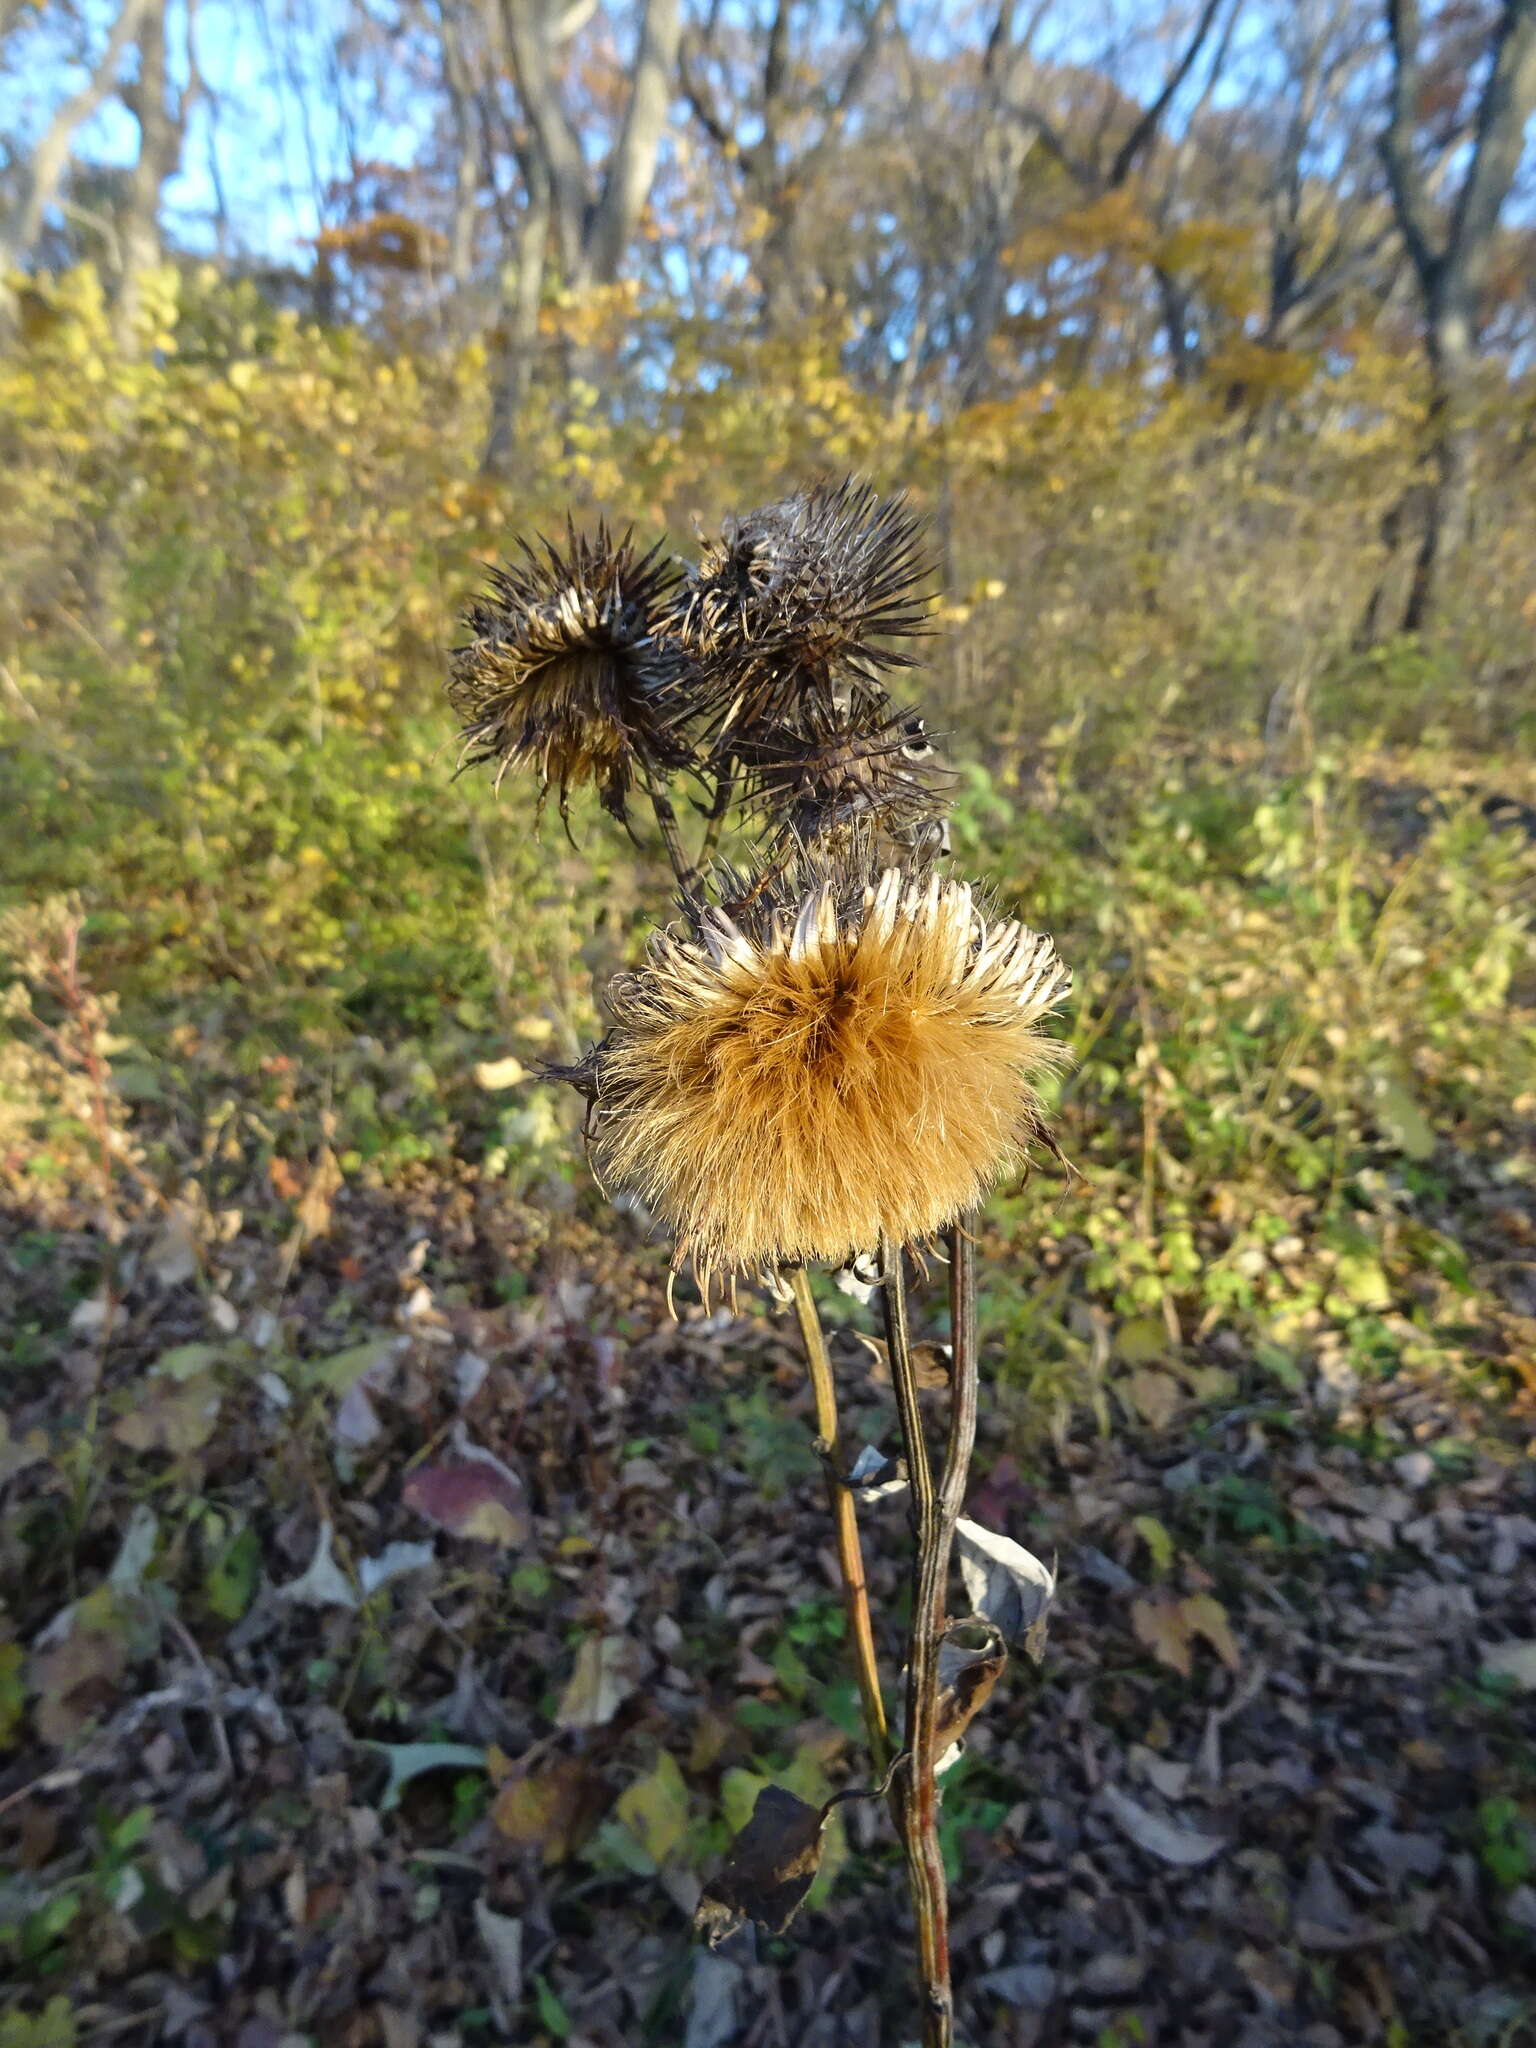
(920, 1834)
(850, 1558)
(666, 824)
(963, 1396)
(716, 819)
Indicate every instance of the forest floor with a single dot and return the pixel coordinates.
(318, 1754)
(403, 1609)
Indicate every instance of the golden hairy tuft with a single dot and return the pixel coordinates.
(789, 1082)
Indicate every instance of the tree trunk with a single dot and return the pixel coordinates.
(1174, 303)
(41, 180)
(1449, 496)
(1452, 260)
(517, 334)
(160, 113)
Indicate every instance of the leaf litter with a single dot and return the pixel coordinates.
(344, 1752)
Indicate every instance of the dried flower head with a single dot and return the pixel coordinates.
(837, 1053)
(796, 601)
(828, 771)
(564, 668)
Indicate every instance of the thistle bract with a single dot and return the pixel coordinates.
(565, 668)
(827, 772)
(798, 601)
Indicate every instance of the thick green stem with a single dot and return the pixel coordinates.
(850, 1557)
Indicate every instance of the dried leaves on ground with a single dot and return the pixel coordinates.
(438, 1730)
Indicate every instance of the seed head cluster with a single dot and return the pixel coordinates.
(842, 1043)
(829, 771)
(823, 1060)
(759, 670)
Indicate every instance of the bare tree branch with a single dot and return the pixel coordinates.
(41, 182)
(1145, 130)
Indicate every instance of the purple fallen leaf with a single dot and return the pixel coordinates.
(469, 1497)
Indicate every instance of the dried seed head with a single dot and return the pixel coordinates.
(826, 772)
(795, 601)
(565, 667)
(836, 1053)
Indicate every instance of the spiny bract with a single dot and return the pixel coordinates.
(796, 601)
(821, 1062)
(565, 667)
(828, 772)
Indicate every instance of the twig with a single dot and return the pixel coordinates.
(715, 819)
(666, 824)
(925, 1860)
(850, 1557)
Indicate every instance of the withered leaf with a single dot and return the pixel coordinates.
(170, 1417)
(78, 1674)
(552, 1810)
(1006, 1583)
(1169, 1627)
(312, 1211)
(972, 1658)
(655, 1808)
(1159, 1623)
(772, 1866)
(930, 1362)
(1164, 1839)
(1153, 1396)
(873, 1475)
(1515, 1662)
(323, 1583)
(607, 1671)
(1207, 1617)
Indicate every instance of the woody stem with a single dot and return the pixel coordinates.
(666, 824)
(850, 1558)
(933, 1529)
(715, 822)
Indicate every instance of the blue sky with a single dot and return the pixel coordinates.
(278, 130)
(268, 144)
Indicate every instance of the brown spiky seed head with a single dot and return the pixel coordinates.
(800, 599)
(829, 1057)
(565, 668)
(829, 771)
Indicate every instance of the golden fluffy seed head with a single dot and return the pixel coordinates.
(819, 1064)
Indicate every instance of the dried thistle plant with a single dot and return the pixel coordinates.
(565, 668)
(834, 1055)
(798, 603)
(833, 1051)
(827, 772)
